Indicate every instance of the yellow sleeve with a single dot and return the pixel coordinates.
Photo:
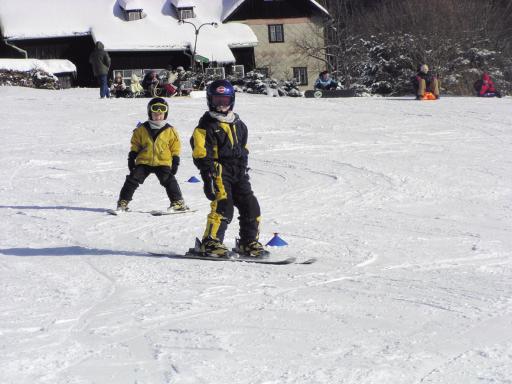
(175, 144)
(199, 140)
(135, 141)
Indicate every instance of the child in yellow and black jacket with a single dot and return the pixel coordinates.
(219, 145)
(155, 148)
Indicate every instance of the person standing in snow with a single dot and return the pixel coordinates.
(324, 82)
(424, 82)
(155, 148)
(485, 87)
(219, 145)
(100, 61)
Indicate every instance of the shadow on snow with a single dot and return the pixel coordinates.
(66, 251)
(56, 207)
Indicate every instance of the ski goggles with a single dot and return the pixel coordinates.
(158, 108)
(221, 101)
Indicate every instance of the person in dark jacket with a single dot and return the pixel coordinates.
(485, 87)
(426, 85)
(100, 61)
(324, 81)
(179, 81)
(219, 151)
(155, 148)
(151, 83)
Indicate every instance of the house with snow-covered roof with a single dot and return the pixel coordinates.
(280, 27)
(149, 34)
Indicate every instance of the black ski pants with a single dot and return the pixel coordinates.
(233, 189)
(141, 172)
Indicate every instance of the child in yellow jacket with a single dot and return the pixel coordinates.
(155, 148)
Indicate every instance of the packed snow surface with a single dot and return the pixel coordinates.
(406, 205)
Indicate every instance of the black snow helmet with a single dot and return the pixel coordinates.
(154, 105)
(218, 90)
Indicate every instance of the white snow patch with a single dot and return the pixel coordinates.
(49, 66)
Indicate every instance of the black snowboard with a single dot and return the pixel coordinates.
(318, 93)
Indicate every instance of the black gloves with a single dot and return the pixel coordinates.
(175, 165)
(209, 186)
(131, 160)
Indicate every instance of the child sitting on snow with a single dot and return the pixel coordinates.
(426, 85)
(118, 88)
(135, 86)
(485, 87)
(324, 82)
(151, 83)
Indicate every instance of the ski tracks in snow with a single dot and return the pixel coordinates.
(98, 341)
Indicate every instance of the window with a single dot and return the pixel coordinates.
(300, 74)
(215, 73)
(186, 13)
(265, 71)
(135, 14)
(275, 33)
(238, 71)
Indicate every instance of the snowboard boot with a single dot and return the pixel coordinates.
(122, 206)
(178, 206)
(214, 247)
(252, 249)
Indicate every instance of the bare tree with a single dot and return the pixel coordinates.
(313, 44)
(335, 51)
(441, 32)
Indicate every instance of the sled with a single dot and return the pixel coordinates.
(428, 96)
(319, 93)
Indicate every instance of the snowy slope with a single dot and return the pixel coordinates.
(406, 204)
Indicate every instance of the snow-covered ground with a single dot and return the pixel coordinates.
(406, 205)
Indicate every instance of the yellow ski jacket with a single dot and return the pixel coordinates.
(156, 151)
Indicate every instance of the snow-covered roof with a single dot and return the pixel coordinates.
(104, 19)
(131, 4)
(232, 6)
(50, 66)
(184, 3)
(229, 10)
(59, 66)
(320, 7)
(34, 19)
